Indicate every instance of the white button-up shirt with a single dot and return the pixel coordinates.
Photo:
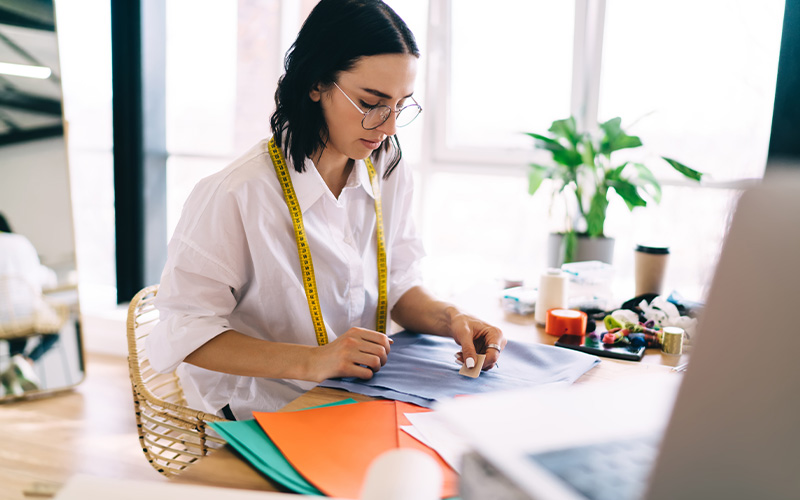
(22, 277)
(233, 265)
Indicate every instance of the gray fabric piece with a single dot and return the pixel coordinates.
(379, 392)
(421, 370)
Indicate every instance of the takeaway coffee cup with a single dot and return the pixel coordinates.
(651, 267)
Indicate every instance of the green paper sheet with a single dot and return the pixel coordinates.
(247, 438)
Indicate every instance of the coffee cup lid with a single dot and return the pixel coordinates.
(658, 250)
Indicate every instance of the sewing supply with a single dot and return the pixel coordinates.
(512, 283)
(673, 340)
(609, 338)
(552, 294)
(637, 340)
(306, 264)
(475, 370)
(519, 300)
(565, 322)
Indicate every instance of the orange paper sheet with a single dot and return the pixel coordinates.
(332, 447)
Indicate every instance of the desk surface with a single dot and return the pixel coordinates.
(226, 469)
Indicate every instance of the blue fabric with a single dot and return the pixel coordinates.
(421, 370)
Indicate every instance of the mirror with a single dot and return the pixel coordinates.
(40, 336)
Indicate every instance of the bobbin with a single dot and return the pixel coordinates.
(565, 322)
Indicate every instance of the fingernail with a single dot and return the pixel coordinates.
(470, 363)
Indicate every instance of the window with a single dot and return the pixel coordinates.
(201, 104)
(510, 69)
(496, 72)
(700, 80)
(84, 38)
(699, 77)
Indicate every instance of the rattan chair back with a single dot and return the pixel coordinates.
(172, 435)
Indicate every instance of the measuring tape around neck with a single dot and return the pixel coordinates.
(304, 252)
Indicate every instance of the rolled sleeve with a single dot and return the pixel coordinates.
(406, 272)
(195, 300)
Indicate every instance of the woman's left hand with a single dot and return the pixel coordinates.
(476, 337)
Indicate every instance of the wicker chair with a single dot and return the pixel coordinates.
(24, 312)
(172, 435)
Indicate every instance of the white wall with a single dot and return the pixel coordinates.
(34, 197)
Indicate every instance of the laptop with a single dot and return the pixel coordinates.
(727, 428)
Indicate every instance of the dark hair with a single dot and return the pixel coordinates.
(334, 36)
(4, 225)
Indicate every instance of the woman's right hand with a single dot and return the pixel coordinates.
(357, 353)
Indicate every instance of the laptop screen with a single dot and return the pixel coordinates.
(734, 428)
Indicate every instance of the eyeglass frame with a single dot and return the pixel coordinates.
(396, 112)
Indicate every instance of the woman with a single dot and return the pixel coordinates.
(254, 318)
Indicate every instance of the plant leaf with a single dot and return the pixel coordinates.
(612, 127)
(686, 171)
(588, 154)
(616, 138)
(615, 174)
(544, 142)
(569, 157)
(630, 193)
(596, 216)
(536, 175)
(567, 129)
(646, 178)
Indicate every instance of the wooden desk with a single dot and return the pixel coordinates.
(225, 468)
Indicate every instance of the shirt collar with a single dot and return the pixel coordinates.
(309, 186)
(361, 177)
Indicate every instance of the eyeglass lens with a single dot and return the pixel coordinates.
(376, 116)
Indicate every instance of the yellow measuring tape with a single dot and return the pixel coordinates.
(303, 250)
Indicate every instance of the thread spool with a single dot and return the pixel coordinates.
(673, 340)
(566, 322)
(552, 294)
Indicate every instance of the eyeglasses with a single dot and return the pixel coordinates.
(377, 115)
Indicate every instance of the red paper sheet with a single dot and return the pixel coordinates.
(332, 447)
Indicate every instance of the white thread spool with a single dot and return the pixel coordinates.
(552, 293)
(403, 474)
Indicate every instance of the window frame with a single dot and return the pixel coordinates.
(585, 90)
(589, 25)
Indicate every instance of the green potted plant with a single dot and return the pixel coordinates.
(583, 171)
